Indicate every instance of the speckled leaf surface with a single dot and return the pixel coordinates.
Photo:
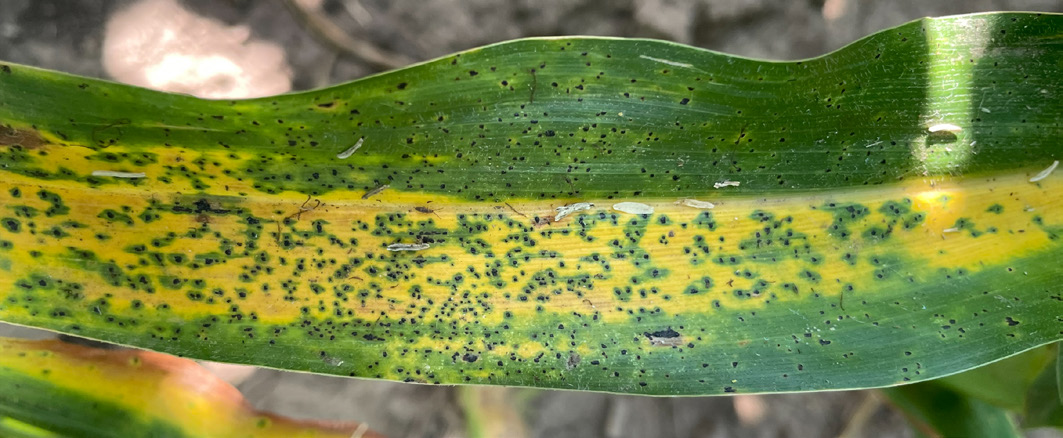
(873, 218)
(51, 388)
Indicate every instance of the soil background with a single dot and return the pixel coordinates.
(68, 35)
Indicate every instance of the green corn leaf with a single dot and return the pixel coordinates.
(1059, 372)
(12, 428)
(583, 213)
(936, 411)
(1004, 383)
(1044, 406)
(54, 389)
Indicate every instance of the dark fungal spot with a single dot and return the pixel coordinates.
(666, 333)
(11, 224)
(5, 68)
(666, 337)
(573, 360)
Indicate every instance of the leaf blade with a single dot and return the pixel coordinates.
(249, 231)
(1003, 383)
(947, 413)
(70, 390)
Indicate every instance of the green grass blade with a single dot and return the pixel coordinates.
(881, 215)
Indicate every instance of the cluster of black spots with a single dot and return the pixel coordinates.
(845, 215)
(540, 285)
(57, 207)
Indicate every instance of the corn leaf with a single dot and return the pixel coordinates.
(585, 213)
(1044, 406)
(934, 410)
(51, 388)
(1005, 383)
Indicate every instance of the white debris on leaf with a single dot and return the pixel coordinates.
(334, 361)
(375, 191)
(1044, 173)
(665, 61)
(666, 342)
(726, 183)
(407, 246)
(351, 150)
(944, 127)
(633, 208)
(114, 174)
(694, 203)
(566, 210)
(951, 230)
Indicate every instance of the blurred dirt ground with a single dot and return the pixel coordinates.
(262, 47)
